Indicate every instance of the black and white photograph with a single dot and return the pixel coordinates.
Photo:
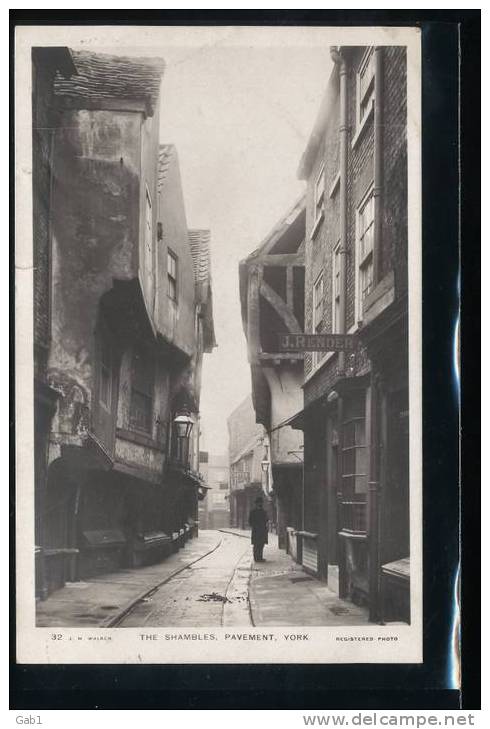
(219, 286)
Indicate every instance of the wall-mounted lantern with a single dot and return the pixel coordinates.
(183, 424)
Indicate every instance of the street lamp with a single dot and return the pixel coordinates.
(183, 424)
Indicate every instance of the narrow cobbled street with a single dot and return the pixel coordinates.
(212, 582)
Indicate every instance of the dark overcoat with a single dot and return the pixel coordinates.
(258, 521)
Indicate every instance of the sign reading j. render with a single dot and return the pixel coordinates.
(317, 342)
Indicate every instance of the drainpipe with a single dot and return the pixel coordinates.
(378, 161)
(339, 60)
(374, 494)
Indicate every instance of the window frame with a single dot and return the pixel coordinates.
(351, 476)
(133, 423)
(366, 61)
(316, 357)
(319, 199)
(368, 258)
(170, 277)
(335, 298)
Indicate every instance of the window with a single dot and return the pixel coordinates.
(354, 450)
(365, 86)
(319, 195)
(172, 274)
(105, 389)
(142, 382)
(336, 288)
(317, 314)
(364, 251)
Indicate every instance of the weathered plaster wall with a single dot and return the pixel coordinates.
(286, 400)
(175, 320)
(150, 277)
(140, 456)
(242, 428)
(95, 222)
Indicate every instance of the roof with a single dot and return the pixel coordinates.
(199, 245)
(165, 154)
(102, 78)
(281, 227)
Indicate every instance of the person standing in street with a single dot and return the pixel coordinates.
(258, 521)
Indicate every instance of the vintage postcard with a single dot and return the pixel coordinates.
(218, 345)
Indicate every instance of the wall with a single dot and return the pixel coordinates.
(318, 251)
(286, 400)
(242, 428)
(95, 224)
(395, 223)
(218, 471)
(43, 115)
(149, 160)
(176, 321)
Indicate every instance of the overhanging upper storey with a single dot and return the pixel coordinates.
(272, 288)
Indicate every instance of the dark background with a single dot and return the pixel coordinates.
(424, 686)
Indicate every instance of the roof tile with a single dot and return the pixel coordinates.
(199, 241)
(101, 76)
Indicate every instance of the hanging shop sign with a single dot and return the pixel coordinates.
(317, 342)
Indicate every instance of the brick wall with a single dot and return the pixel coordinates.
(318, 253)
(395, 223)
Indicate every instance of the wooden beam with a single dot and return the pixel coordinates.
(281, 259)
(253, 311)
(289, 287)
(287, 356)
(280, 306)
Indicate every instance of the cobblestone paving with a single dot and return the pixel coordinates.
(212, 592)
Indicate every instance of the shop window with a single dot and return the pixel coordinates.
(354, 450)
(365, 87)
(142, 384)
(336, 288)
(364, 251)
(172, 270)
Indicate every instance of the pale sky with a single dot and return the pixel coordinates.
(240, 119)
